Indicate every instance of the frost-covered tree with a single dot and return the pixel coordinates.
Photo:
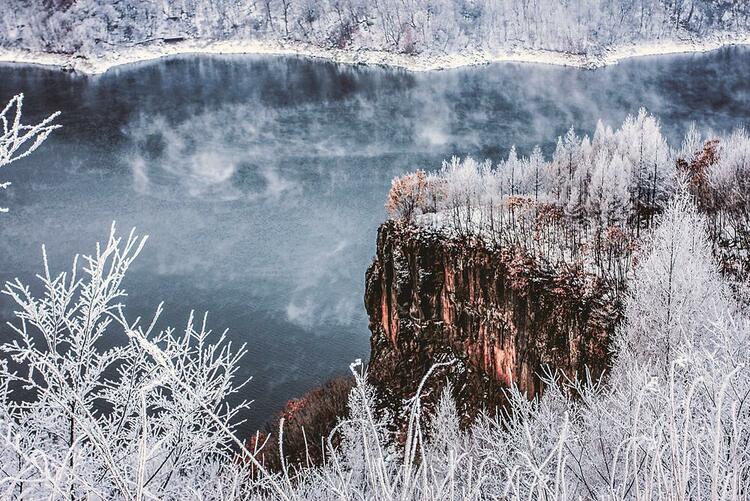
(666, 308)
(673, 406)
(669, 421)
(718, 173)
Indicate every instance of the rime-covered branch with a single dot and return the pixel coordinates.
(18, 140)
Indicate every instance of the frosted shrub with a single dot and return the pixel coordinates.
(375, 463)
(93, 405)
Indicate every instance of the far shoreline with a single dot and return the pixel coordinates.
(98, 65)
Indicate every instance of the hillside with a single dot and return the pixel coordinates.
(95, 34)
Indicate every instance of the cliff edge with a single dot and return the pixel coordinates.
(501, 316)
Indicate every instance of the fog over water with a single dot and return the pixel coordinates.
(261, 180)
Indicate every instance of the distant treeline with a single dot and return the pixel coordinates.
(402, 26)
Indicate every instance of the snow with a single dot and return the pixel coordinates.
(95, 65)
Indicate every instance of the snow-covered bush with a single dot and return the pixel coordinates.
(94, 405)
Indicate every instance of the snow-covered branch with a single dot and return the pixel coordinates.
(18, 140)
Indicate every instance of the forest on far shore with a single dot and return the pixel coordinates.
(424, 27)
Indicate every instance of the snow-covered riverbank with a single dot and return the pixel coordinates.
(99, 64)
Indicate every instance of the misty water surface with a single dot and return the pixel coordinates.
(261, 180)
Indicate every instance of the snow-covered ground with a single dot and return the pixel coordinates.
(421, 62)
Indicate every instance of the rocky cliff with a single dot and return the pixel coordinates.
(500, 315)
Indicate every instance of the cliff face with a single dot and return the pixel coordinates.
(500, 316)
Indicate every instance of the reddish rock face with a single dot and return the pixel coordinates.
(498, 314)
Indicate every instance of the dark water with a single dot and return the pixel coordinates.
(261, 180)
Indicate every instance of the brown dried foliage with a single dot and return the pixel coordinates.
(408, 193)
(696, 172)
(317, 413)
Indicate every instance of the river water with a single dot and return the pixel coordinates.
(261, 180)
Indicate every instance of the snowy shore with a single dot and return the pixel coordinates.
(94, 65)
